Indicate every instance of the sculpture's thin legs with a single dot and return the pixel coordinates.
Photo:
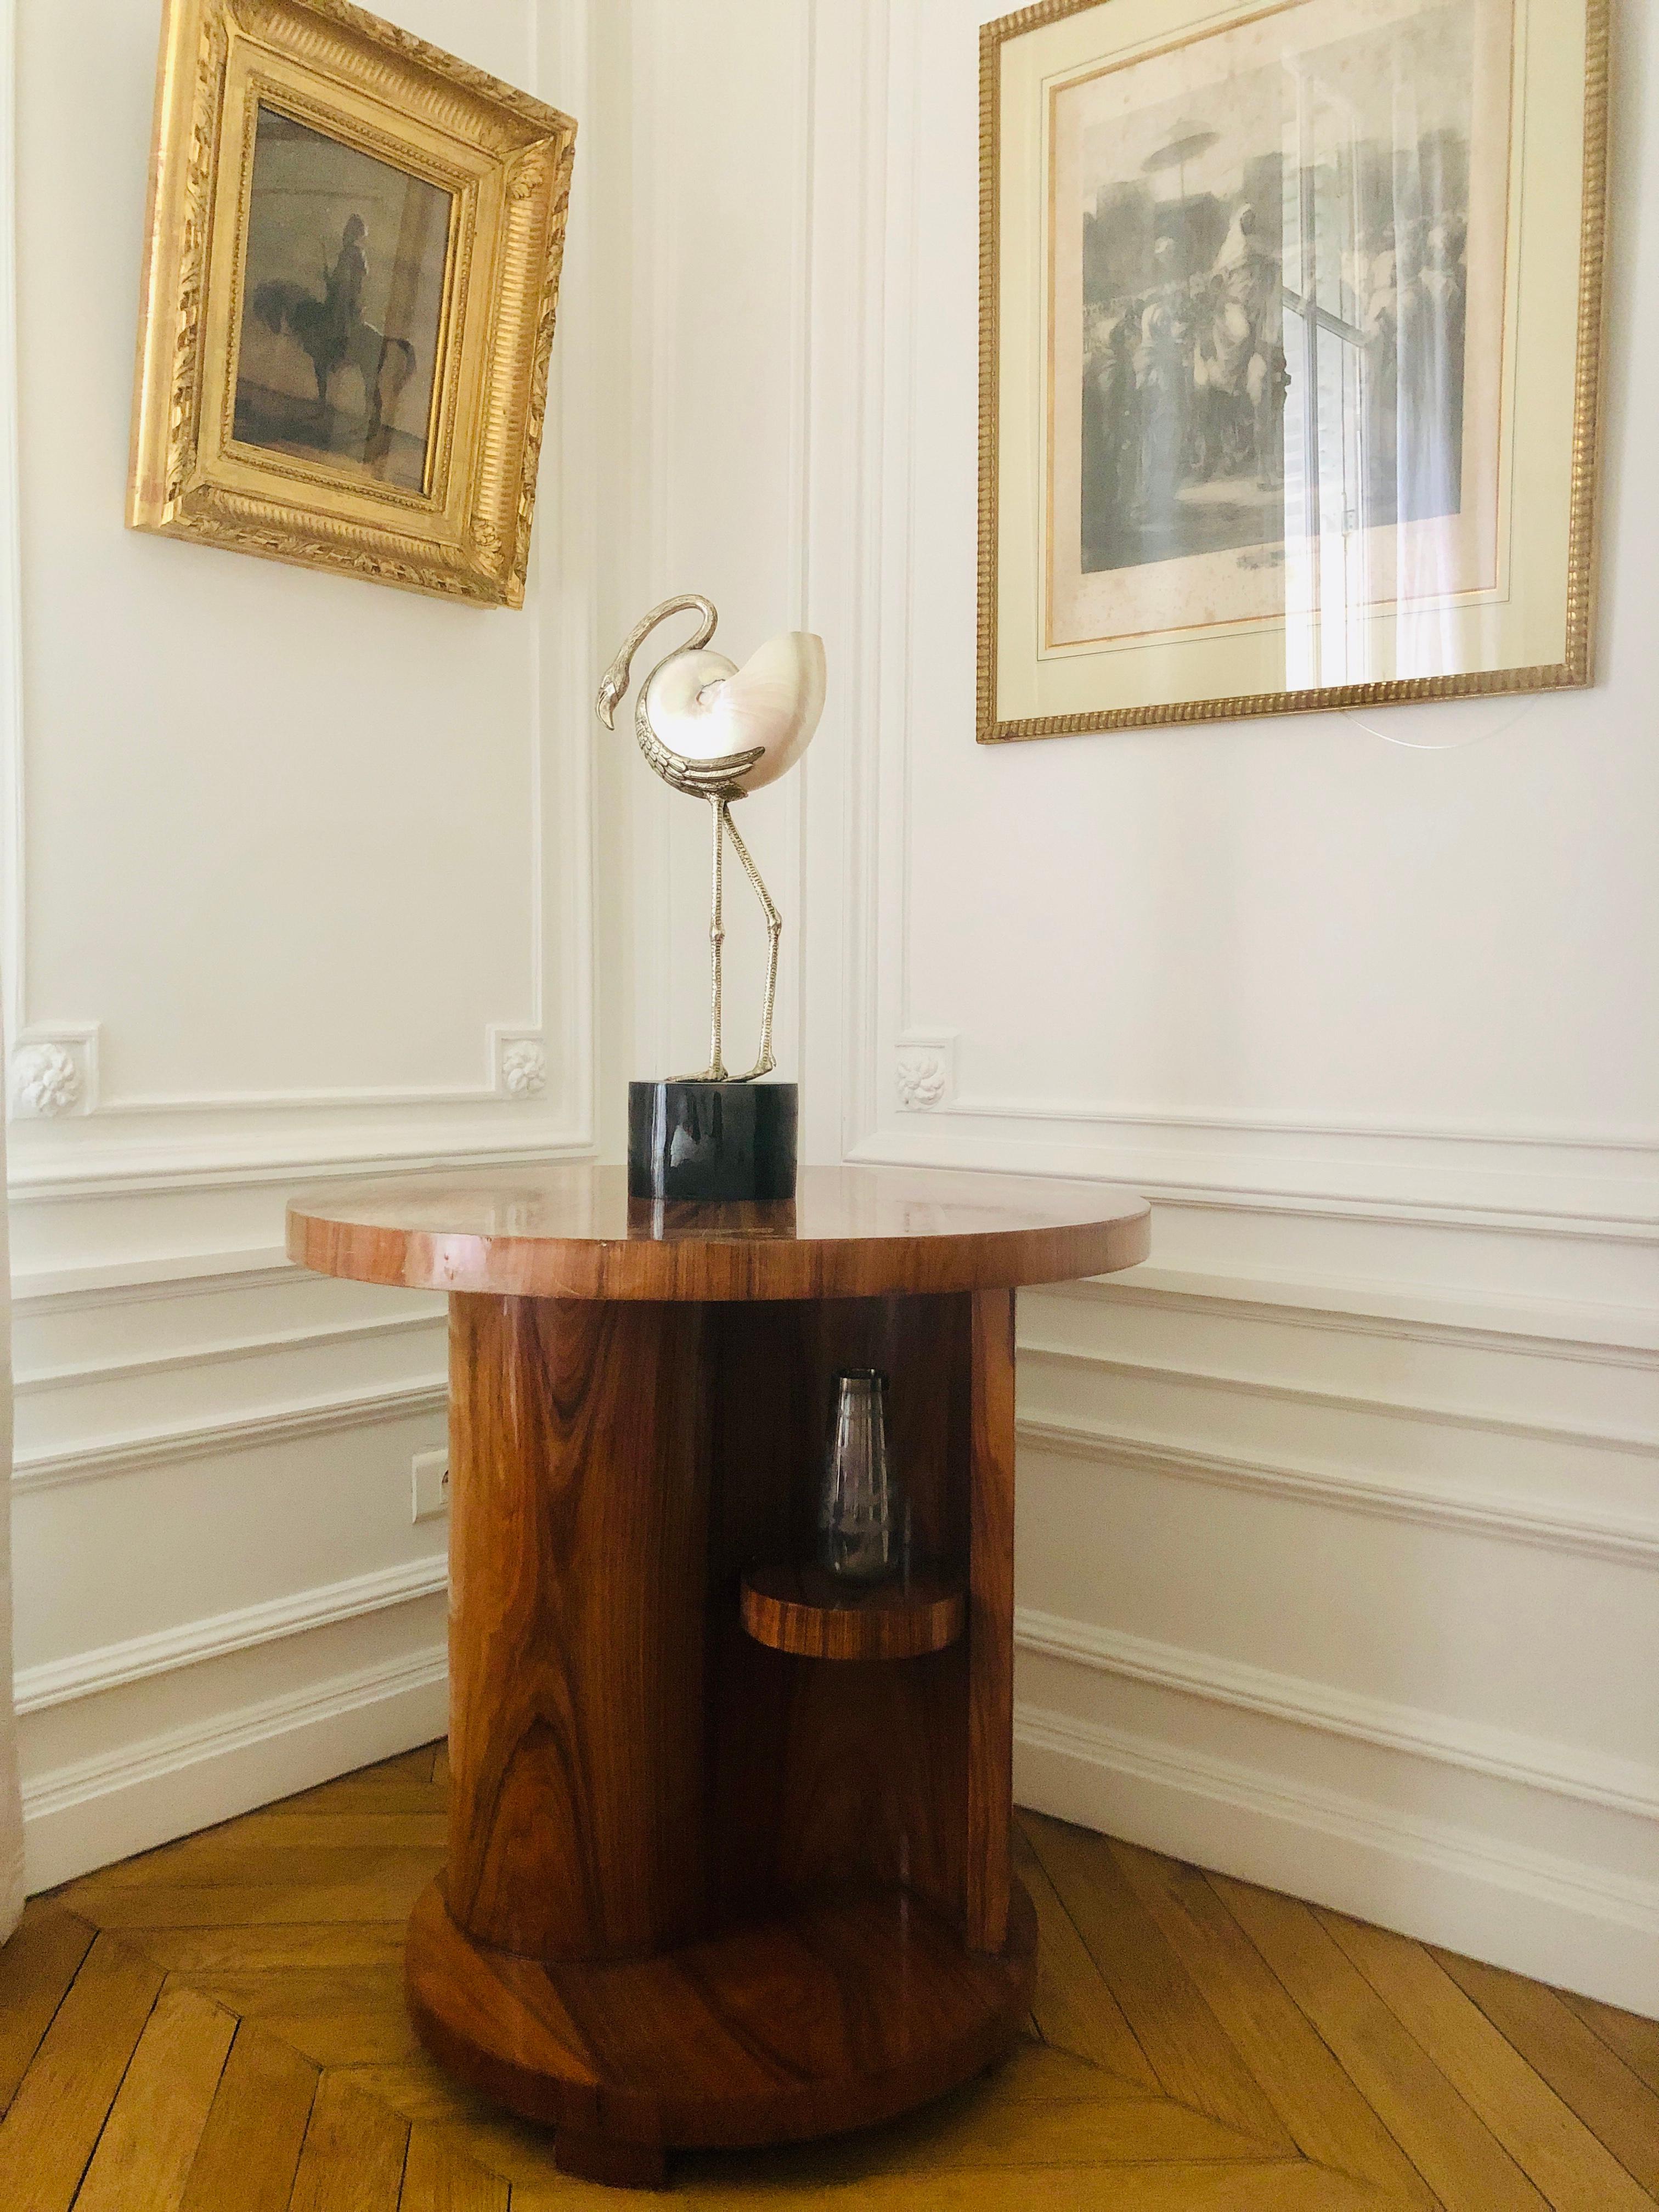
(715, 1070)
(764, 1062)
(716, 939)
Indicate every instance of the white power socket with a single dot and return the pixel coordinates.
(429, 1483)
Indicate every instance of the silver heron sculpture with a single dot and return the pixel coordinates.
(718, 732)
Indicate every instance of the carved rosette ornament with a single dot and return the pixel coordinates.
(920, 1080)
(44, 1079)
(524, 1069)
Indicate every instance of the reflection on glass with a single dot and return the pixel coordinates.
(1275, 289)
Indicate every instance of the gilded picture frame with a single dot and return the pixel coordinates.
(347, 308)
(1289, 346)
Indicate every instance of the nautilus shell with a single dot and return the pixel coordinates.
(703, 707)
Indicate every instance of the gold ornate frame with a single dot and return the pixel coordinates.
(1574, 671)
(505, 158)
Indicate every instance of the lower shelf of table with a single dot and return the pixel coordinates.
(834, 2016)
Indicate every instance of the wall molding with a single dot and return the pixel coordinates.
(1600, 1335)
(927, 1140)
(1583, 1927)
(309, 1417)
(1642, 1445)
(94, 1811)
(139, 1658)
(1502, 1754)
(135, 1171)
(1309, 1127)
(42, 1380)
(1628, 1542)
(114, 1283)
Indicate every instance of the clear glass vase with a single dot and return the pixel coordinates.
(861, 1520)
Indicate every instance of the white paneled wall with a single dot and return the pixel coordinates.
(1339, 1538)
(289, 862)
(1339, 1521)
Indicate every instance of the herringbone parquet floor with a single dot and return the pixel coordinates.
(218, 2026)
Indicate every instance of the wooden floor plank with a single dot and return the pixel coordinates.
(250, 2148)
(383, 1896)
(1291, 2186)
(1192, 2058)
(204, 1953)
(972, 2130)
(36, 1969)
(1611, 2102)
(440, 2177)
(1325, 2116)
(1573, 2170)
(149, 2140)
(1073, 2007)
(290, 1828)
(1197, 2047)
(420, 2089)
(1635, 2039)
(352, 2158)
(1463, 2163)
(223, 1860)
(53, 2127)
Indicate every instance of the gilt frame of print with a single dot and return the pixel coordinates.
(1290, 335)
(348, 300)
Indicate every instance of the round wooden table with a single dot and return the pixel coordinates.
(728, 1849)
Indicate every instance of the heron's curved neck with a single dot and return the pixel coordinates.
(687, 602)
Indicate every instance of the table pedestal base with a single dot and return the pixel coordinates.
(837, 2014)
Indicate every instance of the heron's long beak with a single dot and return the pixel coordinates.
(612, 684)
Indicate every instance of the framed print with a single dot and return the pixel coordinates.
(348, 300)
(1290, 327)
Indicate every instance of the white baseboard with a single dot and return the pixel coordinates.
(101, 1809)
(1590, 1777)
(1577, 1927)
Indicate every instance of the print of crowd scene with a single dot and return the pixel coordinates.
(1191, 336)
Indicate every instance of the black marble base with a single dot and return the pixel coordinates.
(712, 1140)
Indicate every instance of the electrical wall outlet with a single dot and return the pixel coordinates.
(429, 1483)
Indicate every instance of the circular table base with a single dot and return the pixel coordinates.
(840, 2013)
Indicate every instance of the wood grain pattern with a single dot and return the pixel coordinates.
(639, 1396)
(57, 2114)
(1080, 2121)
(353, 2159)
(1192, 2056)
(1469, 2168)
(825, 1777)
(990, 1807)
(256, 2127)
(36, 1967)
(812, 1614)
(150, 2141)
(579, 1513)
(1543, 2027)
(571, 1232)
(1574, 2172)
(832, 2017)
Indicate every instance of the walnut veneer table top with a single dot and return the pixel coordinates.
(573, 1232)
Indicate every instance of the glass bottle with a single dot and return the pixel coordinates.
(860, 1515)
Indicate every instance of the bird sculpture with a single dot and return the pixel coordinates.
(718, 732)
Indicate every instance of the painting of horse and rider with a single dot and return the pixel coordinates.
(343, 300)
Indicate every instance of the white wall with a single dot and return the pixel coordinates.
(1338, 1528)
(1339, 1521)
(290, 860)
